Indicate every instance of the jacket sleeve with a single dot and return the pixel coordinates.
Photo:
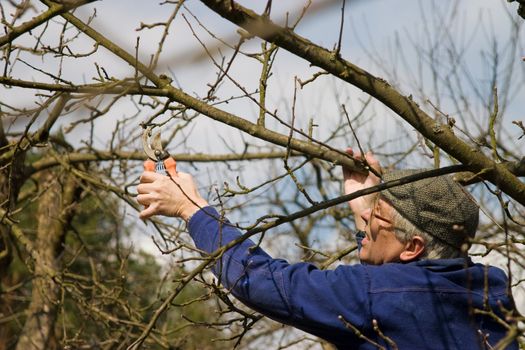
(299, 294)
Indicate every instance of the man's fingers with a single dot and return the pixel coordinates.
(147, 212)
(347, 173)
(356, 155)
(150, 176)
(144, 199)
(147, 187)
(372, 161)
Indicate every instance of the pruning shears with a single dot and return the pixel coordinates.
(159, 159)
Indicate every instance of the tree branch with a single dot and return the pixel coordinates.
(313, 150)
(54, 10)
(94, 155)
(115, 87)
(404, 106)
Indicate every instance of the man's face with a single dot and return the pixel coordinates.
(380, 244)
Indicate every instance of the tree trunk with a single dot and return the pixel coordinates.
(54, 214)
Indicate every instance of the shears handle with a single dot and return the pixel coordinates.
(167, 166)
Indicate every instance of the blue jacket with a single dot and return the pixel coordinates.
(427, 304)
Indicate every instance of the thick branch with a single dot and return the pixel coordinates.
(43, 132)
(404, 106)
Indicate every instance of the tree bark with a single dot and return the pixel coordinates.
(54, 214)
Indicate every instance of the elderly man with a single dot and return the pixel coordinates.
(415, 289)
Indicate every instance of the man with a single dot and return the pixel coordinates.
(415, 289)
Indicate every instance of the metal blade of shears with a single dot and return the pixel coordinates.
(153, 148)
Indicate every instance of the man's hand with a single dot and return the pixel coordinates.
(161, 195)
(354, 181)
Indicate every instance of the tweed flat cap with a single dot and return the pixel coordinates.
(438, 206)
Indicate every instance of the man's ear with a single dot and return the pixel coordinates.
(414, 248)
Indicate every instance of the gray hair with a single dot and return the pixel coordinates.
(434, 248)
